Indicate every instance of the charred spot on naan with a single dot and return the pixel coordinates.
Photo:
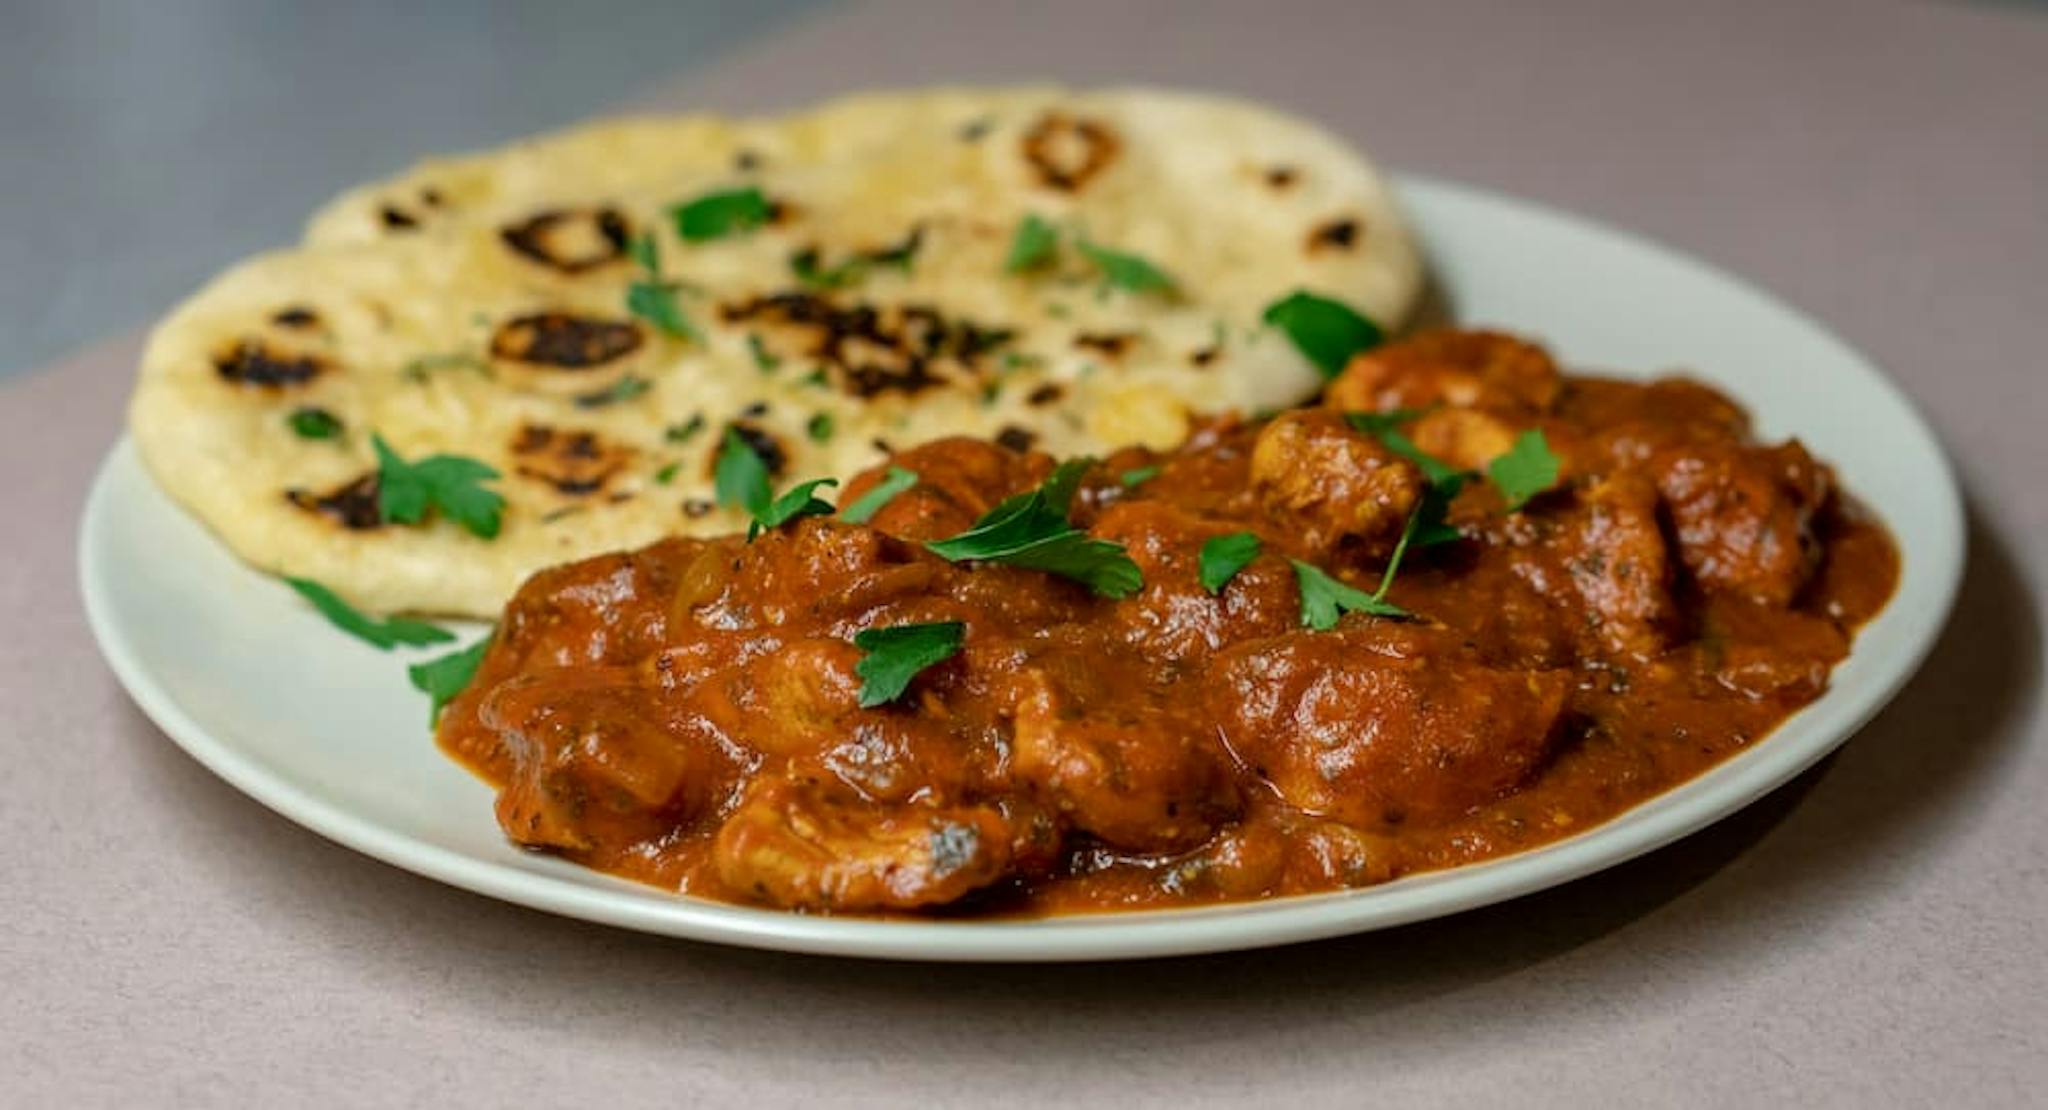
(352, 505)
(1340, 234)
(569, 240)
(576, 462)
(254, 363)
(898, 348)
(1066, 151)
(297, 317)
(1111, 345)
(1281, 178)
(565, 340)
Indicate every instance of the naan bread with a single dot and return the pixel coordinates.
(477, 306)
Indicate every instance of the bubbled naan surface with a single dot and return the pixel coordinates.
(399, 316)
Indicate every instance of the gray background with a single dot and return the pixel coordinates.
(145, 144)
(1871, 935)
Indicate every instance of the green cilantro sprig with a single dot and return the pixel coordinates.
(451, 484)
(741, 479)
(1032, 530)
(808, 267)
(896, 655)
(1223, 556)
(894, 481)
(445, 676)
(1125, 271)
(1326, 332)
(653, 299)
(382, 634)
(314, 423)
(1528, 468)
(1324, 599)
(717, 215)
(1033, 245)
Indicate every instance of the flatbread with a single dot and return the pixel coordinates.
(477, 306)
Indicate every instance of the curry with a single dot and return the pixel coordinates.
(1341, 655)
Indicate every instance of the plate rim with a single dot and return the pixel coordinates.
(1729, 786)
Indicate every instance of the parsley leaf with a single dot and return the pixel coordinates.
(450, 483)
(1137, 476)
(819, 427)
(1385, 427)
(895, 481)
(1224, 556)
(1324, 599)
(1326, 332)
(667, 473)
(804, 264)
(896, 655)
(625, 389)
(800, 500)
(763, 361)
(741, 479)
(1032, 245)
(1527, 469)
(1032, 530)
(445, 676)
(381, 634)
(1125, 271)
(717, 215)
(653, 299)
(314, 423)
(686, 431)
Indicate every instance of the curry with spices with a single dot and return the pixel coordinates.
(1311, 652)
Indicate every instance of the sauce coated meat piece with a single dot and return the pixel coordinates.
(691, 714)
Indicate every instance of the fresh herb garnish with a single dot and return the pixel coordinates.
(717, 215)
(763, 361)
(894, 481)
(445, 676)
(625, 389)
(382, 634)
(1125, 271)
(1326, 332)
(804, 264)
(314, 423)
(667, 473)
(450, 483)
(652, 299)
(819, 427)
(1137, 476)
(685, 431)
(1032, 530)
(1385, 427)
(1527, 469)
(1324, 599)
(799, 500)
(741, 479)
(1032, 245)
(896, 655)
(1224, 556)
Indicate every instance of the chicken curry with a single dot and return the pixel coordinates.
(1463, 605)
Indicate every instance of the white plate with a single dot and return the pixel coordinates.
(326, 731)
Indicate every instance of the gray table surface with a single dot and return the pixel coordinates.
(1871, 935)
